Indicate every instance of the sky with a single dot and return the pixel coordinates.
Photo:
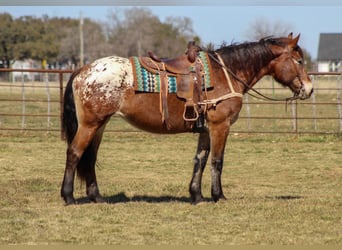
(213, 21)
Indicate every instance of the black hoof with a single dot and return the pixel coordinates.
(98, 199)
(197, 200)
(69, 201)
(219, 198)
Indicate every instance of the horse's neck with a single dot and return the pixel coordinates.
(254, 79)
(253, 66)
(251, 77)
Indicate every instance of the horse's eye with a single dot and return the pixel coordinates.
(300, 62)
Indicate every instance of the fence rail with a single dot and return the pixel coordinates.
(37, 106)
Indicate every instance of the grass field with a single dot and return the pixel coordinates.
(281, 190)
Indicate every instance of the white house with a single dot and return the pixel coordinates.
(24, 64)
(329, 58)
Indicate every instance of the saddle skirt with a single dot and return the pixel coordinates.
(147, 75)
(180, 76)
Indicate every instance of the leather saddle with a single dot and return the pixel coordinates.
(188, 70)
(179, 65)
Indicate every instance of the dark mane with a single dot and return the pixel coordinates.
(254, 55)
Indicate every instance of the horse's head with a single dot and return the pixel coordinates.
(287, 68)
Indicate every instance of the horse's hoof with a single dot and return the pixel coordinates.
(69, 201)
(220, 198)
(196, 201)
(98, 199)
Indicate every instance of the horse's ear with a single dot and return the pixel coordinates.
(290, 35)
(294, 42)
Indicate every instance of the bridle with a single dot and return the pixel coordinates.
(259, 95)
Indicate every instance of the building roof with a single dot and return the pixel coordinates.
(330, 47)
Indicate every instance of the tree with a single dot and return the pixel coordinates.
(95, 42)
(6, 50)
(137, 31)
(127, 33)
(262, 27)
(26, 37)
(33, 39)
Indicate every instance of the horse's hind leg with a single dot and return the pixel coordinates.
(75, 151)
(200, 160)
(86, 168)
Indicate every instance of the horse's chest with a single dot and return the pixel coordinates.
(227, 111)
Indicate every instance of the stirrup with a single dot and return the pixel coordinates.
(190, 119)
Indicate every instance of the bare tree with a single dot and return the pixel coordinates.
(95, 44)
(262, 27)
(135, 31)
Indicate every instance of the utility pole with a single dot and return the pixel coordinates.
(81, 40)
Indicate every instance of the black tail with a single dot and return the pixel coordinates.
(69, 121)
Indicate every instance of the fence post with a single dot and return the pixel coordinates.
(273, 108)
(314, 112)
(339, 103)
(23, 101)
(294, 116)
(47, 86)
(61, 102)
(248, 112)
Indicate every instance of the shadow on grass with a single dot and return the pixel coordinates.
(285, 197)
(122, 198)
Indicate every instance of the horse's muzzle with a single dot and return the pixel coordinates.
(305, 91)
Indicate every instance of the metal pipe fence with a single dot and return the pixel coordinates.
(37, 105)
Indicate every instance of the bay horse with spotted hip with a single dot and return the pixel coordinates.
(105, 87)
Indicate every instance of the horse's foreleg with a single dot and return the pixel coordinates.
(218, 137)
(200, 161)
(74, 153)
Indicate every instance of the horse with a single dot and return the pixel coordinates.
(104, 87)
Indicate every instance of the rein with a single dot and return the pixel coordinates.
(261, 96)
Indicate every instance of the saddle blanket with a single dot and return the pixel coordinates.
(146, 81)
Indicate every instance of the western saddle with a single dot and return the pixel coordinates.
(188, 70)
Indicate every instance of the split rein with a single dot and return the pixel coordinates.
(259, 95)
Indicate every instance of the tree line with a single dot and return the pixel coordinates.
(126, 33)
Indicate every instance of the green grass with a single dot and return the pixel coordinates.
(281, 190)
